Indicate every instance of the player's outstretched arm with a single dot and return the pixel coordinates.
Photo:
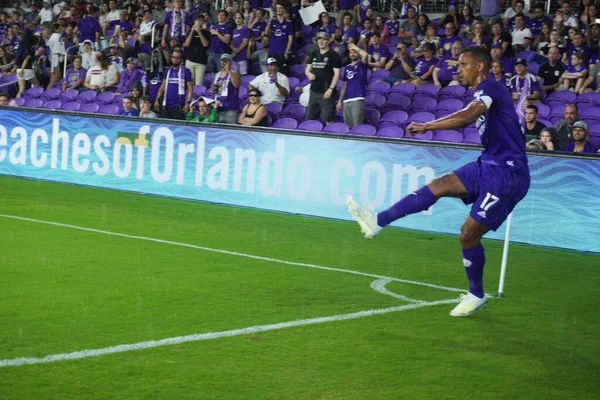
(459, 119)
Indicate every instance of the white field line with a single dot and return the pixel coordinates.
(76, 355)
(232, 253)
(379, 286)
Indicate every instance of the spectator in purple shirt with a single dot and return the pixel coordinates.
(177, 23)
(281, 35)
(575, 75)
(120, 25)
(239, 41)
(580, 142)
(446, 41)
(129, 76)
(378, 53)
(258, 25)
(225, 89)
(423, 72)
(445, 72)
(497, 55)
(349, 32)
(535, 23)
(401, 65)
(498, 74)
(352, 94)
(517, 83)
(176, 90)
(220, 37)
(577, 45)
(75, 76)
(89, 28)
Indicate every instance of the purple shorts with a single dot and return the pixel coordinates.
(493, 190)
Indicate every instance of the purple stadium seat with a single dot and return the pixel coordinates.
(104, 98)
(425, 104)
(428, 89)
(295, 111)
(452, 92)
(68, 95)
(89, 107)
(589, 114)
(364, 129)
(525, 54)
(428, 135)
(376, 99)
(50, 94)
(391, 132)
(544, 122)
(19, 101)
(52, 105)
(421, 117)
(199, 90)
(443, 113)
(448, 136)
(543, 110)
(311, 125)
(399, 116)
(34, 103)
(560, 98)
(71, 106)
(297, 71)
(274, 108)
(372, 117)
(404, 88)
(594, 141)
(450, 104)
(209, 78)
(397, 102)
(293, 82)
(336, 127)
(472, 137)
(87, 96)
(285, 123)
(378, 87)
(381, 73)
(109, 109)
(533, 67)
(33, 92)
(246, 79)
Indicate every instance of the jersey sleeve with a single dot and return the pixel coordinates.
(484, 95)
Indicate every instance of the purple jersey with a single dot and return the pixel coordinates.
(424, 65)
(501, 133)
(125, 26)
(587, 148)
(535, 25)
(280, 34)
(347, 4)
(237, 37)
(376, 54)
(393, 26)
(128, 78)
(88, 27)
(446, 43)
(216, 45)
(583, 49)
(363, 6)
(350, 32)
(355, 76)
(176, 79)
(574, 70)
(73, 76)
(227, 94)
(517, 83)
(448, 66)
(258, 29)
(177, 21)
(340, 49)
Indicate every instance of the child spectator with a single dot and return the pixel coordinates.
(146, 108)
(128, 109)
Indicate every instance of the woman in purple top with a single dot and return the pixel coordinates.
(466, 25)
(393, 24)
(420, 30)
(239, 41)
(258, 24)
(477, 38)
(423, 72)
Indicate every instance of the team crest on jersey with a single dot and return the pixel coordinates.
(325, 59)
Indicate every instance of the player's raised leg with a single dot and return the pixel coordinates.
(371, 223)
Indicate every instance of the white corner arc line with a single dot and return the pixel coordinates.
(379, 286)
(232, 253)
(76, 355)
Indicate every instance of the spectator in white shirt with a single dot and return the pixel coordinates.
(521, 36)
(46, 14)
(273, 85)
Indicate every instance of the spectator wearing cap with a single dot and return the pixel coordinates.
(239, 43)
(129, 76)
(533, 128)
(128, 109)
(273, 85)
(445, 71)
(323, 70)
(575, 75)
(175, 94)
(225, 89)
(88, 27)
(261, 55)
(281, 36)
(352, 94)
(207, 111)
(196, 46)
(400, 65)
(521, 35)
(580, 142)
(219, 42)
(517, 82)
(176, 24)
(550, 72)
(378, 53)
(75, 75)
(46, 14)
(88, 55)
(564, 127)
(114, 56)
(497, 55)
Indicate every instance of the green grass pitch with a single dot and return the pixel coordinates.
(64, 290)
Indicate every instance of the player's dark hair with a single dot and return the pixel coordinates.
(532, 107)
(479, 54)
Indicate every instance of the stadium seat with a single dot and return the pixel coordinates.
(428, 135)
(364, 130)
(428, 89)
(472, 137)
(376, 99)
(68, 95)
(398, 116)
(274, 107)
(199, 90)
(404, 88)
(397, 102)
(87, 96)
(89, 107)
(70, 106)
(424, 104)
(311, 125)
(111, 109)
(452, 92)
(33, 92)
(52, 105)
(295, 111)
(391, 132)
(336, 127)
(450, 104)
(19, 101)
(104, 98)
(448, 136)
(285, 123)
(33, 103)
(51, 94)
(543, 110)
(372, 117)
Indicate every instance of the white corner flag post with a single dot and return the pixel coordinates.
(504, 256)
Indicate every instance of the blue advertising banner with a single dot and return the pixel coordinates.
(291, 173)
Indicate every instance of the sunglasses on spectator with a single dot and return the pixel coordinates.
(253, 95)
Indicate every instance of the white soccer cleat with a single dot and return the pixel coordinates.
(366, 218)
(469, 303)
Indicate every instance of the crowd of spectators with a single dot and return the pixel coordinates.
(246, 62)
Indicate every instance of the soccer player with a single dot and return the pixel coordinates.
(494, 184)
